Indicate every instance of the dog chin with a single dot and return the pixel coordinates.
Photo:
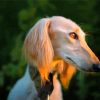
(70, 61)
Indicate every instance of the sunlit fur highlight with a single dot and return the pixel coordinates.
(67, 73)
(39, 51)
(48, 44)
(49, 47)
(38, 48)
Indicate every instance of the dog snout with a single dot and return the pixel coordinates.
(96, 67)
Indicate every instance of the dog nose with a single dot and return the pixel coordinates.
(96, 67)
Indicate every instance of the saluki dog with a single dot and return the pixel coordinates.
(54, 45)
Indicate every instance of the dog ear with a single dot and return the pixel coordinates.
(67, 74)
(37, 46)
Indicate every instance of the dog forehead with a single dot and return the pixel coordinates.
(61, 24)
(64, 23)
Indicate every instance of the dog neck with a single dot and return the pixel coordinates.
(43, 90)
(57, 65)
(34, 74)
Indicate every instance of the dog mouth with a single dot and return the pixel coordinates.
(71, 61)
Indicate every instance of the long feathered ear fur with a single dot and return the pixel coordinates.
(67, 74)
(38, 48)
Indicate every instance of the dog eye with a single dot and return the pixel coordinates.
(73, 35)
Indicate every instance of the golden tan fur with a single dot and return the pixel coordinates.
(49, 46)
(38, 47)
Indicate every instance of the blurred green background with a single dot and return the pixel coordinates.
(18, 16)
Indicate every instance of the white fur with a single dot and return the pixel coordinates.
(57, 93)
(47, 44)
(25, 89)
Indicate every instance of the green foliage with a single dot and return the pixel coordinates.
(82, 86)
(25, 18)
(18, 16)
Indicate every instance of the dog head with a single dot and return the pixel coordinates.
(59, 38)
(69, 43)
